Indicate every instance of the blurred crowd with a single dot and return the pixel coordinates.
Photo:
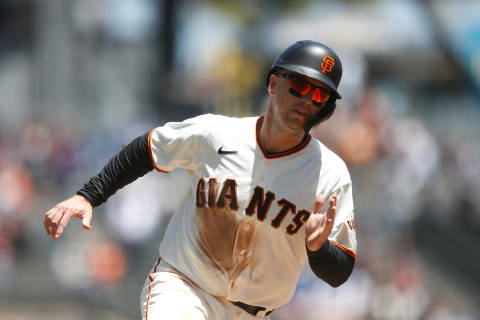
(412, 150)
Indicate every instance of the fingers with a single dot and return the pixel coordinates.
(332, 208)
(86, 222)
(47, 222)
(319, 202)
(52, 217)
(57, 219)
(55, 222)
(61, 226)
(320, 224)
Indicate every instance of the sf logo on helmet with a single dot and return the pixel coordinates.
(328, 63)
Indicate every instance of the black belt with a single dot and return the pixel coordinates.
(253, 310)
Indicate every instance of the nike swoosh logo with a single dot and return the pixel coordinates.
(221, 151)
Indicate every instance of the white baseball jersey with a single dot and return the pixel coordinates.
(240, 234)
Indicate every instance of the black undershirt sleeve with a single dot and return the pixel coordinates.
(331, 264)
(131, 163)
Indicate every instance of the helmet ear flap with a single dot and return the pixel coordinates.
(327, 111)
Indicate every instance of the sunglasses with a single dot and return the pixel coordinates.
(299, 87)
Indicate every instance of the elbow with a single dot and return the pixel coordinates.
(333, 266)
(336, 279)
(335, 283)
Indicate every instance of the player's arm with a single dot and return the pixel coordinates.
(331, 261)
(131, 163)
(164, 148)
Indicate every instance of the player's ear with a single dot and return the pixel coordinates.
(273, 83)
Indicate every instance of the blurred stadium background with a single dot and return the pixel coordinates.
(81, 78)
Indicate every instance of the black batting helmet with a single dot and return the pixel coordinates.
(314, 60)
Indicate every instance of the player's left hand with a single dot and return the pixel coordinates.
(320, 224)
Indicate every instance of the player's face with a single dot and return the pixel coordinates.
(296, 106)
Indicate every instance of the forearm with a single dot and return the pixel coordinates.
(331, 264)
(131, 163)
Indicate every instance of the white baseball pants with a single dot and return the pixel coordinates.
(167, 294)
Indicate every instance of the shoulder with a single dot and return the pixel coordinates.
(207, 129)
(324, 152)
(205, 118)
(213, 123)
(199, 124)
(221, 120)
(332, 165)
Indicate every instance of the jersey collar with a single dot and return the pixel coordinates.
(274, 155)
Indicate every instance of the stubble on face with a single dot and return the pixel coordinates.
(295, 117)
(292, 115)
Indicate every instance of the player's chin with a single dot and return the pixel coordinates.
(296, 125)
(297, 119)
(301, 122)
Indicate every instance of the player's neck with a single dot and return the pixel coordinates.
(275, 138)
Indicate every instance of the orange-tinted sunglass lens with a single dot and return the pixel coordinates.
(319, 96)
(299, 85)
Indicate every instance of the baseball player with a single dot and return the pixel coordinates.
(264, 197)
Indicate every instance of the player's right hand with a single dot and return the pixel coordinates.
(320, 224)
(57, 218)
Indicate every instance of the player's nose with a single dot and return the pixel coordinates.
(307, 101)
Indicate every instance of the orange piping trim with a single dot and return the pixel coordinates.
(348, 251)
(268, 155)
(150, 288)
